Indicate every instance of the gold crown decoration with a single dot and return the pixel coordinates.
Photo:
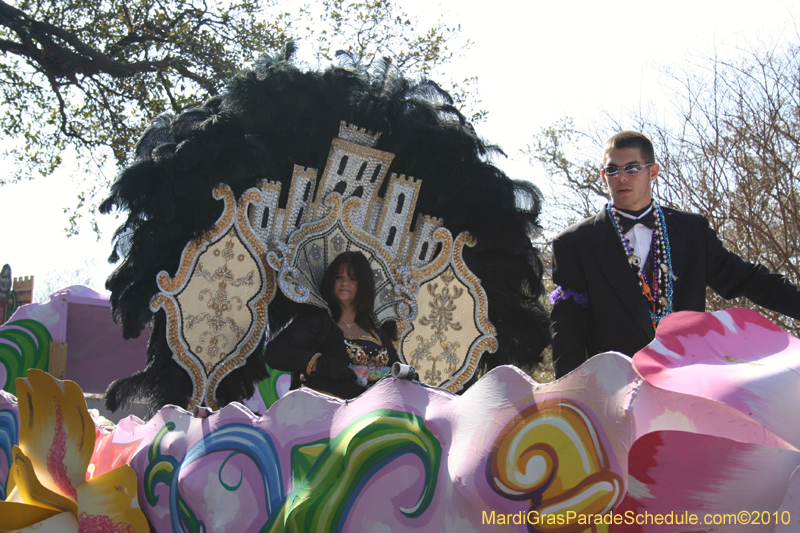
(216, 304)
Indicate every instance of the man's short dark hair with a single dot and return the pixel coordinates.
(631, 139)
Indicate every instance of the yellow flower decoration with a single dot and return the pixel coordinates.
(56, 441)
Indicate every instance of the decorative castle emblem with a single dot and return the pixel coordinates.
(420, 277)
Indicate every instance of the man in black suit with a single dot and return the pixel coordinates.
(621, 271)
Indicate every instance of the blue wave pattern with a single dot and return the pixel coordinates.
(253, 442)
(9, 436)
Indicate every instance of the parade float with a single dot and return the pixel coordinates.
(234, 210)
(698, 427)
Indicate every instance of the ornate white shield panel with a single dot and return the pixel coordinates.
(451, 331)
(216, 303)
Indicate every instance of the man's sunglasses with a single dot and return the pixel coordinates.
(631, 170)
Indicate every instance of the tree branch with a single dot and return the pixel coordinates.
(58, 61)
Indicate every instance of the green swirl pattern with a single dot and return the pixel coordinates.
(27, 346)
(323, 497)
(268, 388)
(161, 469)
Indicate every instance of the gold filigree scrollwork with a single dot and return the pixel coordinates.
(445, 238)
(452, 330)
(482, 309)
(216, 304)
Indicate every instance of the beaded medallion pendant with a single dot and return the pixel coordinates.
(659, 290)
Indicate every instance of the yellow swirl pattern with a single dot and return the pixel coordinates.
(551, 454)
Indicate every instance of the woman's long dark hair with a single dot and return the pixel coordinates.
(359, 268)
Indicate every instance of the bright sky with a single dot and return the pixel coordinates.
(536, 62)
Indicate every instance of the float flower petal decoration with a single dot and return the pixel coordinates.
(736, 357)
(56, 443)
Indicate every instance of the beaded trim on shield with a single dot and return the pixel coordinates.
(216, 303)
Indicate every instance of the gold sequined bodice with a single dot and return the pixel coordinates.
(366, 351)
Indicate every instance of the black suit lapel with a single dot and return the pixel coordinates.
(613, 263)
(677, 250)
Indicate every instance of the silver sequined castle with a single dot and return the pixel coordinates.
(354, 168)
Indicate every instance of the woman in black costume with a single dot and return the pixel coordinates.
(320, 348)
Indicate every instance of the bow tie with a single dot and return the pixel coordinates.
(649, 221)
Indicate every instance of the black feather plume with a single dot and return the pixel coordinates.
(275, 116)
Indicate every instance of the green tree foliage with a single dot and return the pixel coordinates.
(730, 149)
(91, 74)
(375, 29)
(378, 28)
(88, 75)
